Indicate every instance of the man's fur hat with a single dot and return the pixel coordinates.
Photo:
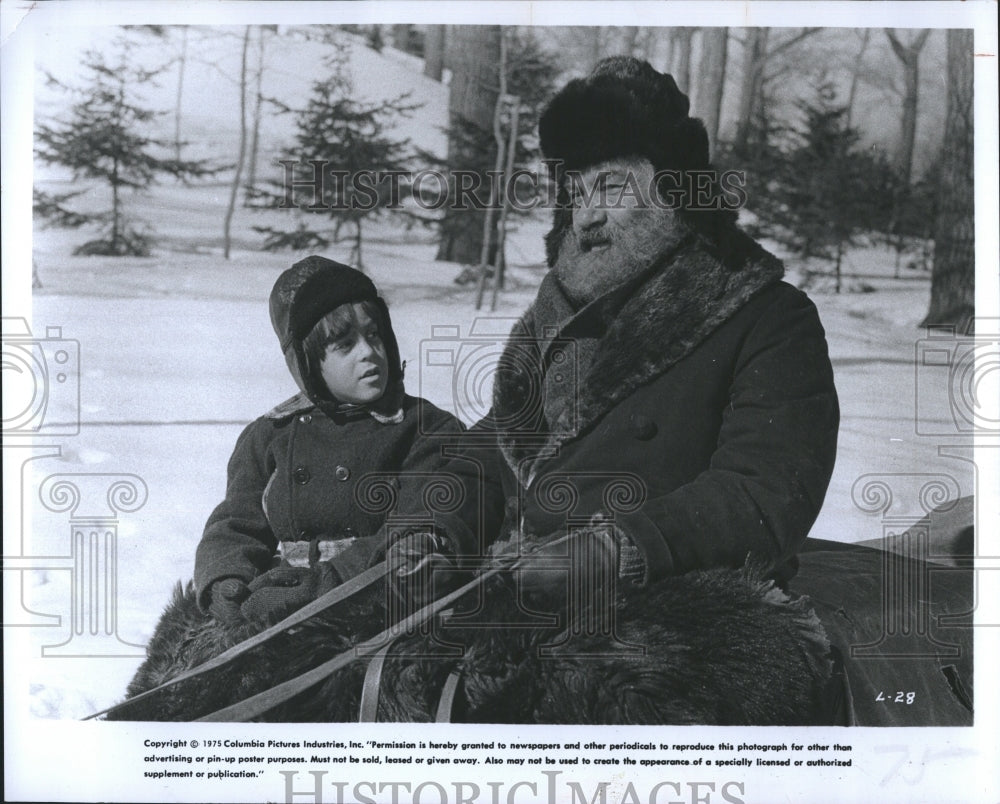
(623, 109)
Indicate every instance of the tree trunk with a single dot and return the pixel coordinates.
(856, 75)
(954, 273)
(712, 80)
(658, 50)
(181, 65)
(680, 62)
(909, 56)
(115, 207)
(595, 48)
(754, 61)
(401, 37)
(631, 37)
(434, 51)
(257, 109)
(238, 174)
(474, 54)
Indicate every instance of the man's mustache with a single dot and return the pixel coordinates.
(596, 237)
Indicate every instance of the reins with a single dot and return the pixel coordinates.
(376, 647)
(350, 587)
(258, 704)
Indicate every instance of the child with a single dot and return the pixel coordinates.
(294, 473)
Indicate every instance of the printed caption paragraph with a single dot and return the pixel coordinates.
(235, 758)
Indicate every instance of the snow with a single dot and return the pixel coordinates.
(176, 355)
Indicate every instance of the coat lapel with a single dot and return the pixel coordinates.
(698, 288)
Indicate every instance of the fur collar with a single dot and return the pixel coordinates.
(388, 410)
(673, 309)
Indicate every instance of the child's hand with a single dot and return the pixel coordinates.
(225, 598)
(280, 591)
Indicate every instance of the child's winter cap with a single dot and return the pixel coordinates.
(309, 290)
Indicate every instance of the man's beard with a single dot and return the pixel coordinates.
(597, 261)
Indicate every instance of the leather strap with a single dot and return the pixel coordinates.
(370, 689)
(258, 704)
(446, 703)
(334, 596)
(368, 711)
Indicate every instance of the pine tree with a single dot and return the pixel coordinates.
(827, 190)
(104, 137)
(351, 142)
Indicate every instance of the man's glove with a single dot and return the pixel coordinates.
(422, 568)
(280, 591)
(598, 558)
(225, 597)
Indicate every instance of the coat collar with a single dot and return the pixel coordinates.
(691, 291)
(388, 410)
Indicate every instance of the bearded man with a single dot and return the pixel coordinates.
(665, 378)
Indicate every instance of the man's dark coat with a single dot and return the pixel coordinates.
(704, 420)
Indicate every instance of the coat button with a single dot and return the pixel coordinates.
(643, 428)
(343, 473)
(301, 475)
(305, 418)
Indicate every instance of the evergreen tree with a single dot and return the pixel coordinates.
(825, 190)
(104, 137)
(348, 150)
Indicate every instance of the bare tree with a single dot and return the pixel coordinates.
(434, 44)
(181, 66)
(712, 80)
(596, 41)
(680, 56)
(752, 86)
(954, 273)
(630, 40)
(242, 148)
(909, 56)
(401, 37)
(474, 55)
(258, 82)
(760, 52)
(856, 69)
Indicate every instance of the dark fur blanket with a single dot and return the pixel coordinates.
(717, 647)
